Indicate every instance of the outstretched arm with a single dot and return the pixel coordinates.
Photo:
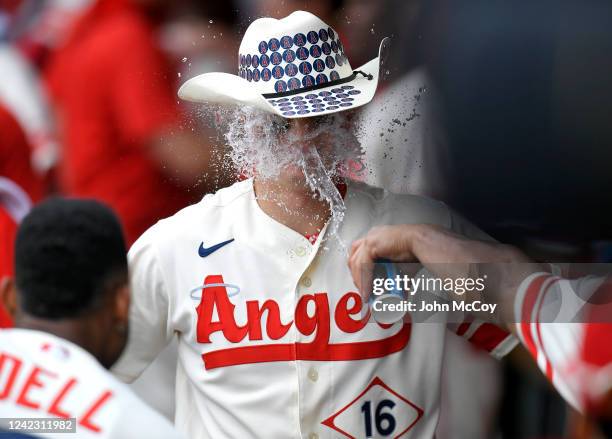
(576, 357)
(445, 254)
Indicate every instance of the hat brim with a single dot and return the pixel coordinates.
(228, 89)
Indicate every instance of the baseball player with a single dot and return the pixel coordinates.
(274, 339)
(564, 323)
(70, 302)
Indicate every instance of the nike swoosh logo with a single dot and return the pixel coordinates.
(203, 251)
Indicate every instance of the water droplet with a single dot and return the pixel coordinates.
(210, 21)
(184, 59)
(178, 74)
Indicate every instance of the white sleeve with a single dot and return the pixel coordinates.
(150, 310)
(554, 323)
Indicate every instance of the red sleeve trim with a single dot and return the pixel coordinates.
(488, 336)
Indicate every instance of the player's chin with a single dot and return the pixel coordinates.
(294, 173)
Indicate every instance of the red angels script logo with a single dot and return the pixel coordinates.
(347, 318)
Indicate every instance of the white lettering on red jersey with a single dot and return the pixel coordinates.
(272, 339)
(576, 357)
(43, 376)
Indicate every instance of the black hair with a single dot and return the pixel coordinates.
(68, 254)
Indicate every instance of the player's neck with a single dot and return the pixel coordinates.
(77, 331)
(292, 203)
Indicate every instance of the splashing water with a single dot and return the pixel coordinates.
(320, 181)
(261, 145)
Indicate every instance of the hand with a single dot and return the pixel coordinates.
(442, 252)
(393, 243)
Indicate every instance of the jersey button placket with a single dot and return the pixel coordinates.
(313, 375)
(308, 374)
(301, 251)
(303, 254)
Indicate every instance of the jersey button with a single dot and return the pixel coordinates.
(306, 281)
(300, 251)
(313, 375)
(313, 436)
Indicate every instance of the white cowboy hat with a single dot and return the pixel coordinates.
(292, 67)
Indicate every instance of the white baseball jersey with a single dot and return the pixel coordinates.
(576, 357)
(271, 339)
(43, 376)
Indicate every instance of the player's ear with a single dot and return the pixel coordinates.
(8, 295)
(122, 304)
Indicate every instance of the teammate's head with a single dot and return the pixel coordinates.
(71, 275)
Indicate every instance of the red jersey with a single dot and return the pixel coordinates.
(113, 91)
(15, 156)
(8, 230)
(19, 185)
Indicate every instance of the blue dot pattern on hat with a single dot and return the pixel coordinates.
(276, 58)
(303, 53)
(286, 42)
(280, 86)
(266, 74)
(318, 65)
(273, 44)
(305, 68)
(293, 84)
(326, 100)
(299, 40)
(297, 56)
(289, 55)
(291, 70)
(277, 72)
(315, 51)
(297, 61)
(308, 81)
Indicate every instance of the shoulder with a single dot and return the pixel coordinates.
(391, 208)
(61, 356)
(110, 400)
(213, 215)
(208, 212)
